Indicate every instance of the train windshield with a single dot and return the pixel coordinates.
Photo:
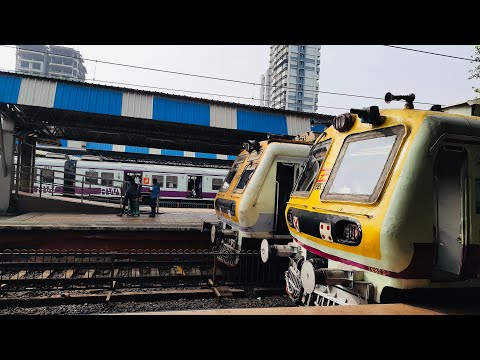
(245, 178)
(363, 164)
(311, 167)
(231, 174)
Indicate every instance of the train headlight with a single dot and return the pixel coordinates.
(348, 232)
(343, 122)
(351, 232)
(290, 217)
(251, 145)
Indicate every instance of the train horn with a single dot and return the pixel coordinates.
(389, 97)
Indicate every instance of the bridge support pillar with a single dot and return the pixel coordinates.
(6, 162)
(26, 161)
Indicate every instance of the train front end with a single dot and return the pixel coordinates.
(392, 209)
(251, 203)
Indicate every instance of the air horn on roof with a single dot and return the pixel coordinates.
(408, 98)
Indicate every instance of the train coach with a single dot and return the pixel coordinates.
(393, 208)
(105, 179)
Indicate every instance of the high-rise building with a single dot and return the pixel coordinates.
(291, 80)
(53, 61)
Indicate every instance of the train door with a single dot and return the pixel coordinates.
(471, 258)
(450, 179)
(70, 170)
(198, 187)
(283, 188)
(137, 176)
(194, 187)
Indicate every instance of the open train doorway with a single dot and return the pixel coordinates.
(70, 169)
(194, 187)
(136, 175)
(284, 186)
(450, 178)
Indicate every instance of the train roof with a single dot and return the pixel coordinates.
(401, 116)
(425, 113)
(102, 165)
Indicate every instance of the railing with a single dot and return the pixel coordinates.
(30, 179)
(183, 204)
(49, 270)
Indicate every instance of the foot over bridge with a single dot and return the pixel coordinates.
(37, 107)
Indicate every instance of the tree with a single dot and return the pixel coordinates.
(475, 72)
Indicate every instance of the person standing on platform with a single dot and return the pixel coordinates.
(154, 196)
(128, 194)
(135, 200)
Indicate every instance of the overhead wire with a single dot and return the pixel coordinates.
(432, 53)
(222, 79)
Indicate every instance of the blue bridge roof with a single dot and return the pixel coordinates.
(87, 100)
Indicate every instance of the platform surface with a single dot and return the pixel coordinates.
(168, 219)
(374, 309)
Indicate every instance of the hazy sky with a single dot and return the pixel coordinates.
(357, 69)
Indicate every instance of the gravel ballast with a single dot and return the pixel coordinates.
(169, 305)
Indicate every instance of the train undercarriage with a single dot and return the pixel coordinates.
(309, 281)
(227, 240)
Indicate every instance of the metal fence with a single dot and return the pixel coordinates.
(183, 204)
(50, 270)
(33, 180)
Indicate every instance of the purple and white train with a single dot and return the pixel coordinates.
(105, 179)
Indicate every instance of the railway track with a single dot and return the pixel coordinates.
(101, 275)
(108, 297)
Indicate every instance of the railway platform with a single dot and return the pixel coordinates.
(172, 228)
(372, 309)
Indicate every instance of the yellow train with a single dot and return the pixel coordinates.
(388, 201)
(251, 202)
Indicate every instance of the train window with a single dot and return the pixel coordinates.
(107, 179)
(229, 178)
(363, 164)
(159, 179)
(172, 182)
(245, 178)
(233, 171)
(217, 183)
(311, 167)
(47, 176)
(91, 177)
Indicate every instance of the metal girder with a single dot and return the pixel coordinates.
(128, 131)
